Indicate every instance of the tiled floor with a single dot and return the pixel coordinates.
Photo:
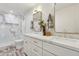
(11, 51)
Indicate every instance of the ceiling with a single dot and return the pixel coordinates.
(19, 8)
(22, 8)
(59, 6)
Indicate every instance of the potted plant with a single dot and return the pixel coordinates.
(43, 26)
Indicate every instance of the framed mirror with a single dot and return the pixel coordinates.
(11, 19)
(37, 16)
(67, 18)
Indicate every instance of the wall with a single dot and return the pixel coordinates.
(46, 9)
(26, 24)
(9, 31)
(67, 20)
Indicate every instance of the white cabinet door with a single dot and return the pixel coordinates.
(31, 47)
(37, 42)
(60, 51)
(27, 45)
(37, 50)
(33, 54)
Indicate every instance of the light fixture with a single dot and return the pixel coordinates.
(11, 11)
(39, 8)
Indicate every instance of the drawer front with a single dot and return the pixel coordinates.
(59, 50)
(31, 53)
(28, 42)
(37, 42)
(33, 41)
(37, 50)
(45, 53)
(28, 39)
(29, 50)
(30, 47)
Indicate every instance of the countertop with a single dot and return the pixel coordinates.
(69, 43)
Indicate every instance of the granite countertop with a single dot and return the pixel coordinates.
(60, 41)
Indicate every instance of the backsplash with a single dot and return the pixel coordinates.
(74, 36)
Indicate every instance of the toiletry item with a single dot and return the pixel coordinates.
(44, 30)
(48, 33)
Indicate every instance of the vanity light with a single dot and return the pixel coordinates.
(11, 11)
(39, 8)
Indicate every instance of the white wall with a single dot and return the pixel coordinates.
(28, 17)
(67, 19)
(9, 31)
(46, 9)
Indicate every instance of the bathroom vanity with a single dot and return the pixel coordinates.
(38, 45)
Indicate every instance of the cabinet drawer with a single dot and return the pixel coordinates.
(37, 50)
(37, 42)
(31, 53)
(27, 38)
(34, 54)
(29, 50)
(28, 46)
(27, 42)
(57, 50)
(45, 53)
